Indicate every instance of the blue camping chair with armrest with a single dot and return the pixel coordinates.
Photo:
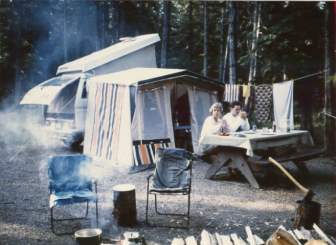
(172, 176)
(69, 184)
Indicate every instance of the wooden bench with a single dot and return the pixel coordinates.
(298, 158)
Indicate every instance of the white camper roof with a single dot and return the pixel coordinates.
(141, 76)
(115, 51)
(135, 75)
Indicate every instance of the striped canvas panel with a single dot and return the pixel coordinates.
(102, 132)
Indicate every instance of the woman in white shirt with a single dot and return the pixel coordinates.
(213, 124)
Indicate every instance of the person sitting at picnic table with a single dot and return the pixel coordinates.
(213, 125)
(236, 119)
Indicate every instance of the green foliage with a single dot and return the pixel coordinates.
(32, 35)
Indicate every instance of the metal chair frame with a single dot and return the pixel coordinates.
(52, 219)
(186, 191)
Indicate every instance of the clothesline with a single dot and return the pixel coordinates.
(309, 75)
(329, 115)
(294, 79)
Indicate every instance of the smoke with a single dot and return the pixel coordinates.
(105, 174)
(55, 32)
(21, 127)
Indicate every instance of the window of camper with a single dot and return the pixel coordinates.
(65, 100)
(60, 80)
(152, 116)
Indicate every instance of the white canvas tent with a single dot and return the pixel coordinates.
(141, 104)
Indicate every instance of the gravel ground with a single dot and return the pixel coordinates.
(218, 206)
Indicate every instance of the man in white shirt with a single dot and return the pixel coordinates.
(236, 119)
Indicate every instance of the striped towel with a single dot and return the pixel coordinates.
(232, 92)
(144, 151)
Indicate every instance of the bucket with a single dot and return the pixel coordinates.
(88, 236)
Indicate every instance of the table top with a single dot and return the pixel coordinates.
(251, 135)
(259, 140)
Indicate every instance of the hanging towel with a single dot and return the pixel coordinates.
(263, 104)
(246, 93)
(250, 99)
(283, 103)
(231, 92)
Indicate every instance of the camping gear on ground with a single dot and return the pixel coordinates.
(70, 184)
(138, 105)
(308, 211)
(88, 236)
(283, 104)
(263, 103)
(64, 97)
(172, 176)
(124, 205)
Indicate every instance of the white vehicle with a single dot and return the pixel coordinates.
(64, 97)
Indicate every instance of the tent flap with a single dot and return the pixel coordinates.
(107, 131)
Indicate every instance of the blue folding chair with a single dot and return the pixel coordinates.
(69, 183)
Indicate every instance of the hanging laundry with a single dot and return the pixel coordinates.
(232, 92)
(246, 93)
(263, 103)
(283, 103)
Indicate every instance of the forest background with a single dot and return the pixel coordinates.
(232, 42)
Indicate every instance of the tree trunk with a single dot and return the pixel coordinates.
(101, 13)
(190, 41)
(223, 54)
(333, 67)
(65, 42)
(18, 78)
(114, 21)
(231, 43)
(165, 33)
(205, 39)
(124, 201)
(329, 136)
(254, 42)
(225, 68)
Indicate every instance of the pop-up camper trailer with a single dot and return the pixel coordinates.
(142, 105)
(64, 97)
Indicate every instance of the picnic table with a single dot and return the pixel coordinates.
(238, 150)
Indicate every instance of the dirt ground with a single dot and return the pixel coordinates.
(218, 206)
